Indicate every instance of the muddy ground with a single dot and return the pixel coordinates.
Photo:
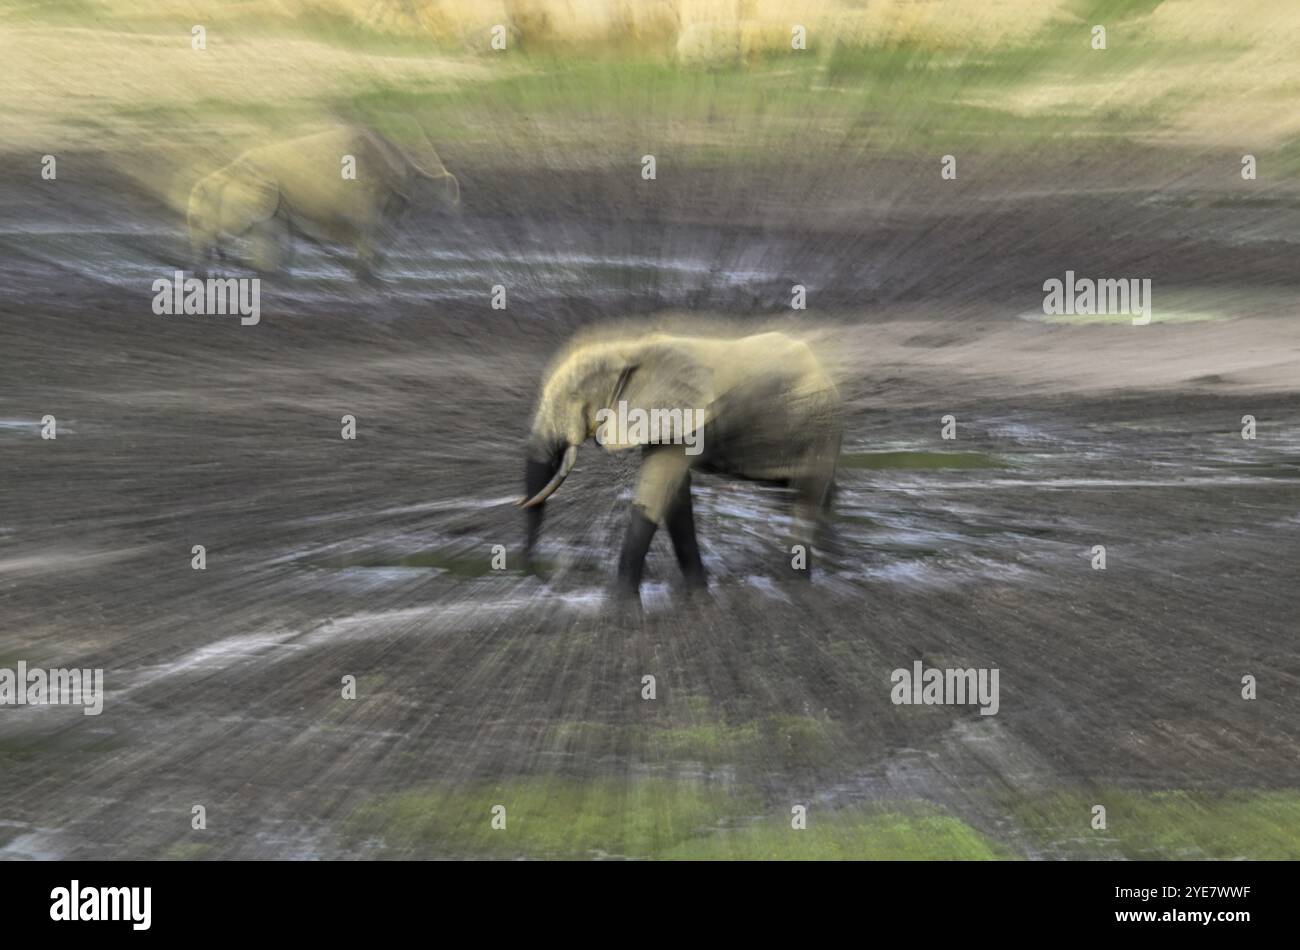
(371, 558)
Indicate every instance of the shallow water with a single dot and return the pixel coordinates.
(1032, 497)
(414, 268)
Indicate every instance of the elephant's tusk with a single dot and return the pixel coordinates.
(566, 466)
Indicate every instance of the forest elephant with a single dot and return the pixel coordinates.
(344, 186)
(757, 407)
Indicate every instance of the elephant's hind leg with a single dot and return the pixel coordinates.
(812, 500)
(681, 528)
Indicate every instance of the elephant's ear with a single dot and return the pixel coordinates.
(248, 197)
(672, 389)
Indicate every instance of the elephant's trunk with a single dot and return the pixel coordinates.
(545, 467)
(536, 475)
(560, 473)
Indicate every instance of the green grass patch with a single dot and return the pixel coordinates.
(653, 818)
(849, 835)
(865, 99)
(1261, 826)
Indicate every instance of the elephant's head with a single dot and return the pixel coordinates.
(230, 201)
(660, 377)
(420, 177)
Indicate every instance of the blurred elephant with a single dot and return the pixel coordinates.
(303, 186)
(757, 407)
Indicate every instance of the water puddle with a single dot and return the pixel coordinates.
(926, 461)
(402, 564)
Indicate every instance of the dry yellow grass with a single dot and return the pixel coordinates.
(1218, 74)
(57, 80)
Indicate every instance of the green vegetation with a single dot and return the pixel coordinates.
(1262, 826)
(602, 82)
(653, 818)
(681, 820)
(857, 834)
(861, 100)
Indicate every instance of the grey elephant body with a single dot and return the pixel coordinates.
(765, 410)
(270, 194)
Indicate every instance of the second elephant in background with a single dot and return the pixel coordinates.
(346, 186)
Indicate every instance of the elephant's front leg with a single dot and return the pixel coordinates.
(664, 469)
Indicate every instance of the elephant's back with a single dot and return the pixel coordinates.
(772, 361)
(331, 178)
(776, 413)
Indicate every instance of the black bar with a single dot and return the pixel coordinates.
(215, 900)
